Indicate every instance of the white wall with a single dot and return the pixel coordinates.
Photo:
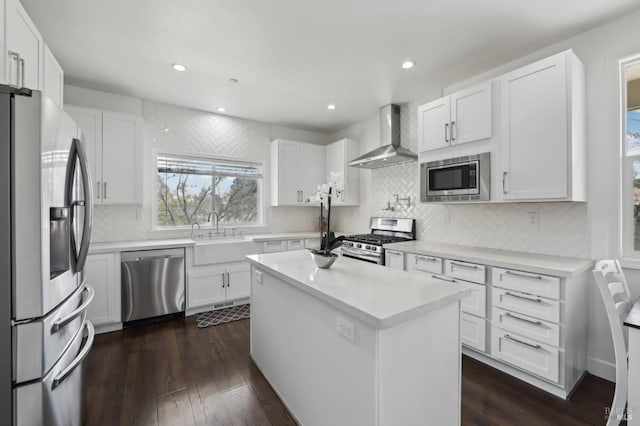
(572, 229)
(192, 131)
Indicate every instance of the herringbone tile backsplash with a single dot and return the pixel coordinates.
(193, 131)
(562, 228)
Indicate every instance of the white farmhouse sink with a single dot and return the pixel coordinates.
(223, 250)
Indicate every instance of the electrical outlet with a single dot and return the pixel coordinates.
(258, 276)
(346, 328)
(533, 219)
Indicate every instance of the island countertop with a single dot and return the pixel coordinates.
(376, 295)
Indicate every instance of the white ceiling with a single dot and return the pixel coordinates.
(294, 57)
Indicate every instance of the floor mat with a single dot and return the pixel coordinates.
(222, 316)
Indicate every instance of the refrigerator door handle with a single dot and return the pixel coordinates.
(59, 378)
(61, 322)
(77, 152)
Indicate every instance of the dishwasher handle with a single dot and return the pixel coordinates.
(141, 259)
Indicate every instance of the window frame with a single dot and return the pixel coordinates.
(156, 152)
(627, 228)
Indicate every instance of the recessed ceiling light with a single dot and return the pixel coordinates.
(166, 130)
(222, 109)
(179, 67)
(408, 64)
(331, 107)
(233, 80)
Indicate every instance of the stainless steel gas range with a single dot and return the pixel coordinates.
(384, 230)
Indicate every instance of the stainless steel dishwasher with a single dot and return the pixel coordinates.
(152, 283)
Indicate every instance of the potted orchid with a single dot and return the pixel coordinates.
(324, 257)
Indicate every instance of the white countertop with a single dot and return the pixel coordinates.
(541, 264)
(379, 296)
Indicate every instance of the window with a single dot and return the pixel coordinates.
(191, 188)
(631, 157)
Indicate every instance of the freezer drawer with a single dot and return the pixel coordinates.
(57, 398)
(39, 344)
(152, 283)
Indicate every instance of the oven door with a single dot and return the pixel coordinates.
(360, 254)
(452, 179)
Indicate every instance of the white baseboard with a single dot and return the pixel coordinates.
(603, 369)
(107, 328)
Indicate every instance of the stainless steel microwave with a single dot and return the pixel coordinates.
(465, 178)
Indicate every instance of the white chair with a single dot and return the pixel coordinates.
(617, 302)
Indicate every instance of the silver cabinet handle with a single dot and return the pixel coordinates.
(429, 259)
(504, 176)
(98, 185)
(223, 283)
(443, 279)
(446, 132)
(395, 253)
(273, 243)
(510, 315)
(61, 322)
(453, 123)
(22, 72)
(228, 280)
(508, 337)
(15, 57)
(531, 277)
(464, 265)
(517, 296)
(59, 378)
(104, 190)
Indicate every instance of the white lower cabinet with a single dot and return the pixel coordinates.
(274, 246)
(473, 331)
(102, 272)
(421, 263)
(216, 285)
(527, 304)
(295, 244)
(530, 355)
(394, 259)
(312, 243)
(476, 303)
(542, 331)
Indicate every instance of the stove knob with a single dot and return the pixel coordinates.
(368, 247)
(358, 245)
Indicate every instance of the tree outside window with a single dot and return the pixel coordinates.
(190, 189)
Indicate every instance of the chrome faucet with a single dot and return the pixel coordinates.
(214, 213)
(192, 230)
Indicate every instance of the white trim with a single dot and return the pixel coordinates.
(625, 204)
(601, 368)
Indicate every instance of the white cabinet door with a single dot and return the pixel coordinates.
(471, 114)
(433, 125)
(238, 280)
(394, 259)
(535, 131)
(53, 78)
(287, 167)
(121, 139)
(102, 272)
(90, 123)
(338, 155)
(206, 286)
(23, 39)
(473, 331)
(311, 170)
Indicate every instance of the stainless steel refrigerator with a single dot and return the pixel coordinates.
(45, 227)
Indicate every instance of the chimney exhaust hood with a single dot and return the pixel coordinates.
(390, 152)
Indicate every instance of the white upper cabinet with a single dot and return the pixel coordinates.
(53, 78)
(296, 170)
(542, 132)
(461, 117)
(113, 144)
(338, 155)
(24, 52)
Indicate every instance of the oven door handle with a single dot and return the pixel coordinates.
(360, 252)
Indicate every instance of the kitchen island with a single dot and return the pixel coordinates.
(357, 344)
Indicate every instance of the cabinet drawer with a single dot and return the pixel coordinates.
(295, 244)
(273, 246)
(526, 282)
(542, 331)
(421, 263)
(476, 303)
(312, 243)
(529, 355)
(473, 331)
(527, 304)
(465, 271)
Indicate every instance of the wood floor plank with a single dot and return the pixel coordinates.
(175, 373)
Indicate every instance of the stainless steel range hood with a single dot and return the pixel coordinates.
(390, 152)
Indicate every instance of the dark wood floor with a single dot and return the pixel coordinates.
(173, 373)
